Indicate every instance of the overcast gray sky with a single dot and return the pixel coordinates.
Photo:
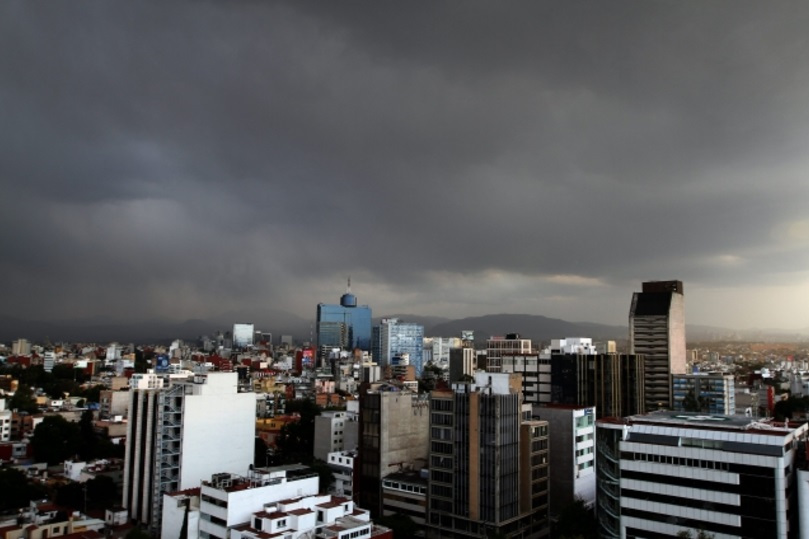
(456, 159)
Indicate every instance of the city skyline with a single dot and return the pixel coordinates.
(187, 160)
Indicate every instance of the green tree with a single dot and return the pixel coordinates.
(324, 473)
(70, 495)
(66, 371)
(55, 439)
(23, 400)
(102, 493)
(92, 393)
(259, 452)
(16, 491)
(296, 441)
(137, 533)
(57, 387)
(106, 449)
(88, 449)
(787, 409)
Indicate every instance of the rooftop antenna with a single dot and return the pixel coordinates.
(348, 288)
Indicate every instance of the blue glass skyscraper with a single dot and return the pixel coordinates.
(394, 338)
(346, 326)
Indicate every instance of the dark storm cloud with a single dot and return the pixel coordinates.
(195, 158)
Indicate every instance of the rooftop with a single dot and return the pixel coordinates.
(726, 423)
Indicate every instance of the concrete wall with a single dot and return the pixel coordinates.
(218, 431)
(404, 431)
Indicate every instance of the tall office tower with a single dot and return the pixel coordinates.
(393, 436)
(535, 370)
(618, 386)
(397, 339)
(488, 462)
(48, 361)
(243, 335)
(181, 434)
(463, 361)
(114, 352)
(657, 330)
(710, 393)
(665, 472)
(21, 347)
(613, 383)
(572, 437)
(497, 347)
(440, 348)
(345, 326)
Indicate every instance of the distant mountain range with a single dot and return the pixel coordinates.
(534, 327)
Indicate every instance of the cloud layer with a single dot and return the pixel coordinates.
(191, 159)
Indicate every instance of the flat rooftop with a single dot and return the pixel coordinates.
(738, 423)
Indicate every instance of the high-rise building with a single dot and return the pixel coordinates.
(657, 330)
(243, 335)
(488, 461)
(535, 370)
(397, 339)
(441, 348)
(497, 347)
(463, 361)
(711, 393)
(666, 472)
(572, 442)
(21, 347)
(613, 383)
(345, 326)
(393, 437)
(48, 361)
(180, 434)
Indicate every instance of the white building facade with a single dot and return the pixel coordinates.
(180, 435)
(342, 466)
(572, 441)
(267, 502)
(665, 472)
(335, 431)
(5, 422)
